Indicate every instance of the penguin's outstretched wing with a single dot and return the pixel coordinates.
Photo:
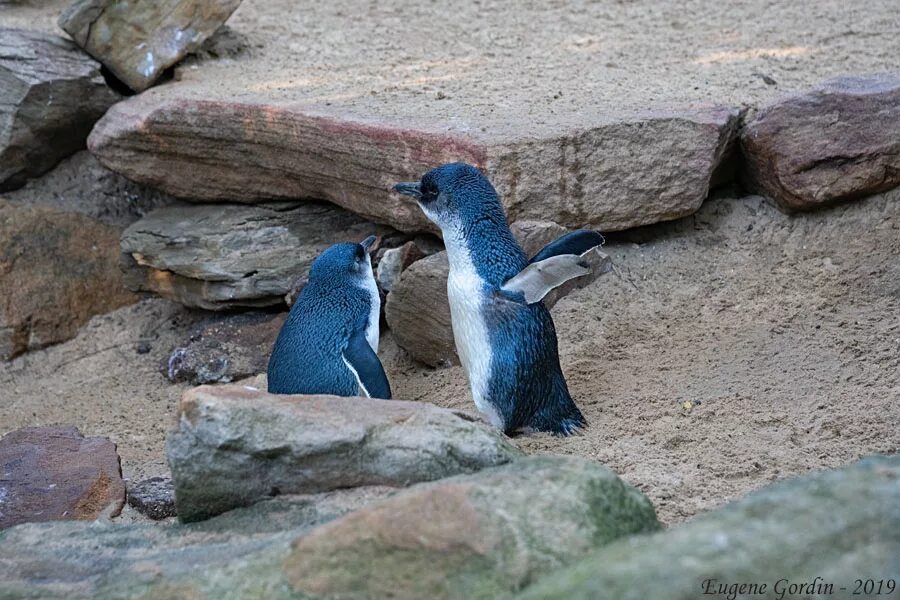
(577, 243)
(537, 279)
(362, 360)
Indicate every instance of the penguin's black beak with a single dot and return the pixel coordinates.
(409, 188)
(368, 242)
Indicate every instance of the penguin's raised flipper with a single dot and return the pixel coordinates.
(362, 360)
(537, 279)
(576, 242)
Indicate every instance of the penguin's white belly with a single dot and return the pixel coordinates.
(465, 291)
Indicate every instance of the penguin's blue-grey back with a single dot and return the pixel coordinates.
(307, 356)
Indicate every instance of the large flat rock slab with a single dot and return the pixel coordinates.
(840, 141)
(826, 528)
(222, 256)
(619, 173)
(604, 115)
(57, 270)
(51, 94)
(54, 473)
(236, 445)
(137, 41)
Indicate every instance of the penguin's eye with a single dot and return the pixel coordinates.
(429, 191)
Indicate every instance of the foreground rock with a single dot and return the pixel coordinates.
(418, 312)
(619, 173)
(154, 497)
(57, 270)
(235, 555)
(235, 445)
(839, 526)
(230, 348)
(223, 256)
(53, 473)
(838, 142)
(474, 536)
(51, 94)
(138, 41)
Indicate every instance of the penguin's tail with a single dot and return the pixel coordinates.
(559, 416)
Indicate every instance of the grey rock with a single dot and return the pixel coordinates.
(225, 348)
(617, 173)
(137, 41)
(224, 256)
(838, 142)
(838, 526)
(473, 536)
(418, 311)
(51, 94)
(234, 555)
(80, 184)
(394, 261)
(236, 445)
(154, 497)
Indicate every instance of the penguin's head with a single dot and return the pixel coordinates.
(342, 261)
(454, 194)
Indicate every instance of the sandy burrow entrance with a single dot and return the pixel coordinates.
(738, 346)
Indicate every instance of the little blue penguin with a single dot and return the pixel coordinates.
(504, 335)
(329, 343)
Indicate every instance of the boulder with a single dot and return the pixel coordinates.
(234, 555)
(229, 255)
(154, 497)
(231, 347)
(394, 261)
(137, 41)
(51, 94)
(830, 528)
(54, 473)
(57, 270)
(474, 536)
(837, 142)
(418, 312)
(236, 445)
(610, 174)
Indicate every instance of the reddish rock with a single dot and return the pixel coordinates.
(838, 142)
(615, 173)
(54, 473)
(57, 270)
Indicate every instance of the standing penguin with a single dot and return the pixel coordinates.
(329, 342)
(504, 335)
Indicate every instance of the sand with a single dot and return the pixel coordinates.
(518, 69)
(738, 346)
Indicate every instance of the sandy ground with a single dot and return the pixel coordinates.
(739, 345)
(782, 333)
(505, 68)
